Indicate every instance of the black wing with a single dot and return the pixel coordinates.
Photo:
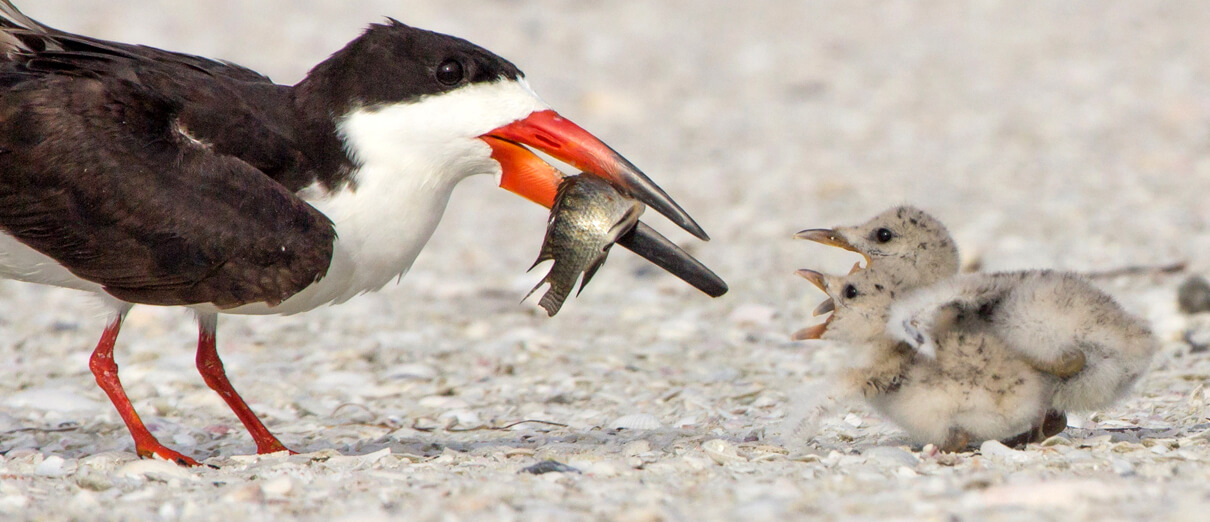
(154, 178)
(239, 112)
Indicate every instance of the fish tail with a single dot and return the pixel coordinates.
(552, 301)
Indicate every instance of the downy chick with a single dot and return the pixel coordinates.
(974, 389)
(911, 242)
(1058, 321)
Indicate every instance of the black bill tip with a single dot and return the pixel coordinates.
(652, 246)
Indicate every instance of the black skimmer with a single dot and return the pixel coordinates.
(153, 177)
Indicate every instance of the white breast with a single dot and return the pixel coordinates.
(411, 156)
(381, 226)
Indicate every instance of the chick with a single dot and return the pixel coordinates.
(904, 239)
(908, 239)
(975, 388)
(1059, 322)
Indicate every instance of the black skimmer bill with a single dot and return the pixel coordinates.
(153, 177)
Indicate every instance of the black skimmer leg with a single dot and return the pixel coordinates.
(106, 371)
(211, 368)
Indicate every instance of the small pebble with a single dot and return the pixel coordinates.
(52, 466)
(242, 493)
(1193, 295)
(993, 448)
(890, 455)
(548, 466)
(637, 447)
(278, 487)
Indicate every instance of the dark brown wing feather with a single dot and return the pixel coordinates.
(101, 169)
(239, 112)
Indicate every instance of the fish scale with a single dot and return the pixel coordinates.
(588, 217)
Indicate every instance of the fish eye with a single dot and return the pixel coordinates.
(849, 291)
(883, 235)
(450, 72)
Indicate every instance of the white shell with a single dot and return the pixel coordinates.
(722, 452)
(639, 421)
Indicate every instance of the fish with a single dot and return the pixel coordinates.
(588, 217)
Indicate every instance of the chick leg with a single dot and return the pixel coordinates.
(1051, 424)
(957, 440)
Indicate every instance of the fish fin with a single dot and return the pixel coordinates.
(592, 270)
(542, 258)
(534, 289)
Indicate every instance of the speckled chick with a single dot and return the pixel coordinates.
(974, 389)
(1058, 321)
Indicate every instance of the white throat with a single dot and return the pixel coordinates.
(410, 155)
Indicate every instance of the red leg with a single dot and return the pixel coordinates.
(106, 371)
(211, 368)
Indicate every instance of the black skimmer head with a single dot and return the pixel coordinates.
(398, 86)
(415, 111)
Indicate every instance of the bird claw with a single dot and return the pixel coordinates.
(159, 451)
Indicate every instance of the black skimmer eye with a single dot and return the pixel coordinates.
(450, 72)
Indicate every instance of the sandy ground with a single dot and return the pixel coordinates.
(1065, 135)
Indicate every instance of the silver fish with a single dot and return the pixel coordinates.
(589, 215)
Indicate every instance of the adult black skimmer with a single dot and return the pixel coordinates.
(152, 177)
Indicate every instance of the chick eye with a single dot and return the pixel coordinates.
(849, 291)
(450, 72)
(883, 235)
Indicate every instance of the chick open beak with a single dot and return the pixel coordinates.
(816, 278)
(811, 332)
(830, 237)
(828, 305)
